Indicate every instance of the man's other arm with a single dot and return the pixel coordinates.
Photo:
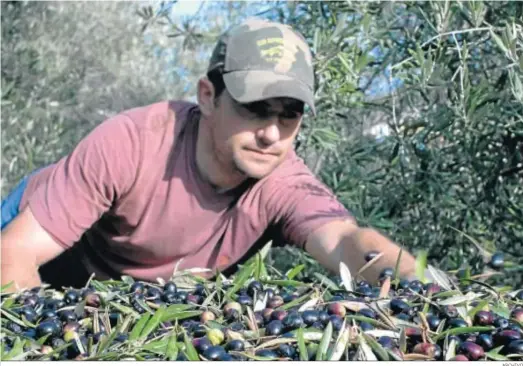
(343, 240)
(25, 247)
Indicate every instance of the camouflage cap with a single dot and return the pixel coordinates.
(262, 60)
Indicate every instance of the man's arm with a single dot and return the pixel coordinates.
(345, 241)
(25, 247)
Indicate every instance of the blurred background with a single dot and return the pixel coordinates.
(420, 106)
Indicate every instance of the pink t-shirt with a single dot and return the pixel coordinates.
(131, 197)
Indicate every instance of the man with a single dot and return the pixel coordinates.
(201, 185)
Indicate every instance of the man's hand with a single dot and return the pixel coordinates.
(25, 247)
(345, 241)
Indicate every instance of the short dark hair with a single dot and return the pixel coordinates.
(215, 76)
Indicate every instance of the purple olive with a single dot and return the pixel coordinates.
(245, 300)
(201, 344)
(506, 336)
(483, 318)
(473, 351)
(517, 314)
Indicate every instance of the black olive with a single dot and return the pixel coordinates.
(225, 357)
(202, 344)
(386, 342)
(310, 316)
(153, 293)
(237, 326)
(318, 325)
(29, 313)
(13, 327)
(336, 321)
(369, 313)
(274, 328)
(485, 341)
(122, 337)
(267, 353)
(398, 306)
(235, 345)
(404, 284)
(323, 316)
(199, 289)
(259, 318)
(450, 311)
(48, 327)
(519, 295)
(199, 330)
(386, 272)
(254, 287)
(287, 298)
(244, 300)
(213, 352)
(513, 348)
(497, 261)
(67, 316)
(71, 297)
(30, 333)
(31, 300)
(181, 357)
(403, 316)
(170, 287)
(137, 287)
(416, 287)
(285, 350)
(457, 323)
(366, 326)
(169, 297)
(433, 322)
(371, 255)
(181, 296)
(365, 291)
(293, 321)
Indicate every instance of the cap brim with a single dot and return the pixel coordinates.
(251, 86)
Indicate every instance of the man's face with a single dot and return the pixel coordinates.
(253, 139)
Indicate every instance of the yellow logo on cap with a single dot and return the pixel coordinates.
(274, 51)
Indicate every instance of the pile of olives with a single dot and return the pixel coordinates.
(264, 319)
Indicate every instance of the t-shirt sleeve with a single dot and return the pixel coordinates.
(82, 186)
(300, 204)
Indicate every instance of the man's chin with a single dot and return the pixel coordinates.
(255, 170)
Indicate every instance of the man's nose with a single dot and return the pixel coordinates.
(270, 134)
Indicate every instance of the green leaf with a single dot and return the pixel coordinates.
(494, 354)
(125, 309)
(304, 355)
(421, 266)
(324, 343)
(295, 302)
(295, 271)
(6, 286)
(190, 351)
(181, 315)
(291, 283)
(463, 330)
(153, 323)
(501, 310)
(12, 318)
(107, 340)
(374, 322)
(397, 268)
(377, 348)
(17, 349)
(481, 305)
(171, 351)
(243, 275)
(327, 281)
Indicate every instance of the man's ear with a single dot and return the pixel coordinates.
(205, 96)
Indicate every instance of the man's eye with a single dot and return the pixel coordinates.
(289, 115)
